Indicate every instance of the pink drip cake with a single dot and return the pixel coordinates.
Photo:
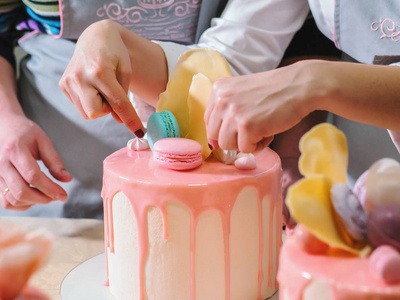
(346, 244)
(213, 232)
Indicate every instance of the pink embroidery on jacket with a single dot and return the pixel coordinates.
(174, 20)
(388, 28)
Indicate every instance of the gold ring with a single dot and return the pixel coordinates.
(6, 191)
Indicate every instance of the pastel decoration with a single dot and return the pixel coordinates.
(383, 227)
(245, 161)
(225, 156)
(351, 217)
(138, 144)
(309, 203)
(324, 151)
(323, 162)
(383, 183)
(161, 125)
(199, 93)
(178, 153)
(360, 188)
(208, 62)
(384, 263)
(308, 242)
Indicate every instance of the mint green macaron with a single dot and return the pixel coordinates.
(161, 125)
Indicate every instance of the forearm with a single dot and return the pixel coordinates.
(362, 93)
(149, 66)
(8, 90)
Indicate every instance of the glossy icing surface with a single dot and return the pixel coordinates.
(212, 186)
(347, 277)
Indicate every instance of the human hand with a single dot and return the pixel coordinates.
(245, 112)
(22, 252)
(22, 183)
(98, 76)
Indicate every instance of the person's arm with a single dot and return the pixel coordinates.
(108, 61)
(261, 105)
(251, 35)
(22, 184)
(363, 93)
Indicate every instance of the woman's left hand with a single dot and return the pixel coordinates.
(245, 112)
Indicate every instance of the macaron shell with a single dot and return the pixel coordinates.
(178, 153)
(161, 125)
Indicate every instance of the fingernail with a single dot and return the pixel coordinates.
(62, 197)
(139, 133)
(211, 147)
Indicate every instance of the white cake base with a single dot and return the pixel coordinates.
(167, 272)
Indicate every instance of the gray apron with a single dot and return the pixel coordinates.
(369, 32)
(84, 144)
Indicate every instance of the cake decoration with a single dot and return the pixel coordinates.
(138, 144)
(189, 89)
(161, 125)
(323, 163)
(245, 161)
(384, 263)
(346, 244)
(178, 153)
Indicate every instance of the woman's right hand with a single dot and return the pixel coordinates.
(108, 61)
(22, 183)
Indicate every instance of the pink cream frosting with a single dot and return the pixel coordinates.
(347, 277)
(212, 186)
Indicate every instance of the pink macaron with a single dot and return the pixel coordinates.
(178, 153)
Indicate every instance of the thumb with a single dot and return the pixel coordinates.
(264, 143)
(52, 160)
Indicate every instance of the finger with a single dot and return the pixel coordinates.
(69, 90)
(116, 118)
(94, 104)
(52, 160)
(265, 142)
(123, 73)
(213, 127)
(213, 144)
(20, 193)
(227, 137)
(6, 198)
(124, 109)
(210, 105)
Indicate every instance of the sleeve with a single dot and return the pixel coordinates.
(251, 34)
(9, 11)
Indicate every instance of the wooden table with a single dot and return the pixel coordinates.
(75, 240)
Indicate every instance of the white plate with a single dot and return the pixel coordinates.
(86, 282)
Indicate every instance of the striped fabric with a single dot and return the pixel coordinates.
(43, 15)
(8, 13)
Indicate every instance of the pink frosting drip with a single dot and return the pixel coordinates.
(212, 186)
(347, 277)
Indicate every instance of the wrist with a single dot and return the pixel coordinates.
(321, 86)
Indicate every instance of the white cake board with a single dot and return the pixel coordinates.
(86, 282)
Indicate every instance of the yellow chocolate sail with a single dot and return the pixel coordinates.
(199, 93)
(209, 63)
(323, 162)
(324, 151)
